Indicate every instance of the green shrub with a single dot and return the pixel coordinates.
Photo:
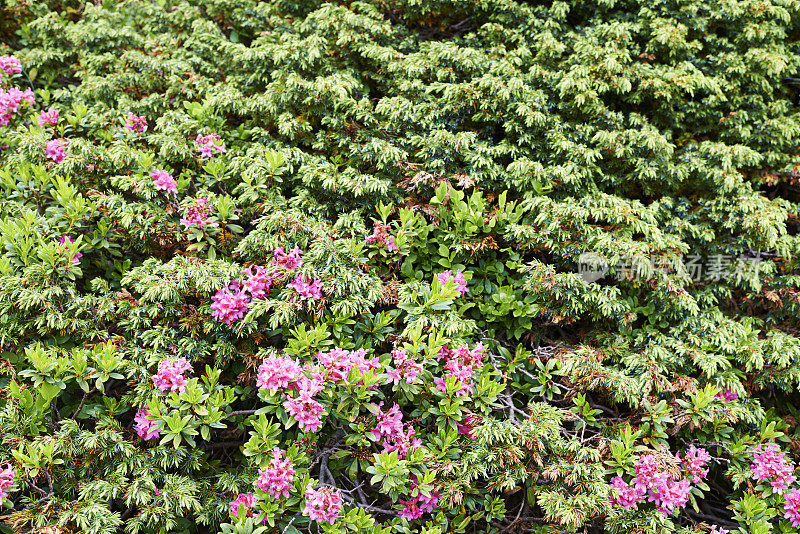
(456, 266)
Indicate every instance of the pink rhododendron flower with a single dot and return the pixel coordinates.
(662, 490)
(402, 441)
(56, 150)
(624, 495)
(461, 364)
(164, 181)
(170, 375)
(257, 282)
(667, 493)
(791, 507)
(338, 362)
(323, 505)
(289, 261)
(405, 368)
(415, 506)
(465, 428)
(276, 478)
(248, 500)
(230, 303)
(210, 144)
(305, 410)
(380, 234)
(718, 530)
(10, 65)
(411, 509)
(11, 101)
(144, 427)
(392, 433)
(135, 123)
(48, 117)
(307, 288)
(769, 463)
(727, 395)
(358, 359)
(389, 422)
(21, 96)
(428, 502)
(694, 460)
(278, 372)
(309, 385)
(646, 467)
(67, 239)
(7, 477)
(197, 215)
(458, 280)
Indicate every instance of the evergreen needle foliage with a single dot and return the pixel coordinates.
(401, 266)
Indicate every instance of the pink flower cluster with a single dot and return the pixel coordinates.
(231, 302)
(6, 481)
(289, 261)
(667, 493)
(67, 239)
(769, 463)
(694, 462)
(278, 372)
(380, 234)
(791, 507)
(303, 408)
(419, 504)
(258, 281)
(276, 478)
(307, 288)
(283, 373)
(626, 496)
(248, 500)
(197, 215)
(10, 65)
(466, 427)
(48, 117)
(717, 530)
(144, 427)
(727, 395)
(170, 375)
(56, 150)
(135, 123)
(338, 362)
(390, 430)
(461, 363)
(405, 368)
(209, 144)
(11, 101)
(323, 505)
(458, 280)
(164, 181)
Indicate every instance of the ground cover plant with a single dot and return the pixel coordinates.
(399, 266)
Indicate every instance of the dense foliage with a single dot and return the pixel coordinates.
(399, 266)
